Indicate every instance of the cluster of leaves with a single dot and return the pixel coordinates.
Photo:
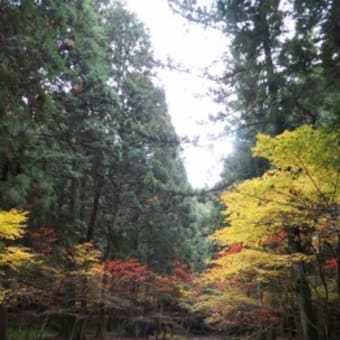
(126, 274)
(12, 227)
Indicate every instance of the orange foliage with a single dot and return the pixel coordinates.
(43, 238)
(128, 271)
(164, 284)
(275, 240)
(232, 249)
(181, 272)
(128, 275)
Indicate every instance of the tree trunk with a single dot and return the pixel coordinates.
(3, 322)
(95, 208)
(304, 298)
(75, 199)
(337, 257)
(69, 303)
(108, 254)
(306, 311)
(101, 318)
(277, 118)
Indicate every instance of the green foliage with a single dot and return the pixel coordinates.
(89, 149)
(99, 133)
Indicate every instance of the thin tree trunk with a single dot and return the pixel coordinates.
(276, 116)
(69, 303)
(304, 298)
(69, 322)
(337, 257)
(108, 254)
(95, 208)
(75, 199)
(101, 319)
(3, 322)
(79, 327)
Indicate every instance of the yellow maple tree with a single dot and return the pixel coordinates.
(275, 219)
(12, 227)
(301, 189)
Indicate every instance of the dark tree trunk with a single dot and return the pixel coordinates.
(277, 118)
(3, 322)
(108, 254)
(95, 208)
(337, 257)
(304, 298)
(69, 302)
(75, 199)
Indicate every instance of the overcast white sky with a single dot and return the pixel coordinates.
(187, 99)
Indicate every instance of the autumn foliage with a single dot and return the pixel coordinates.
(278, 227)
(280, 230)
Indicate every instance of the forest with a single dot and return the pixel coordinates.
(102, 235)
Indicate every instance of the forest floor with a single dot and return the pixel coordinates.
(212, 337)
(175, 337)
